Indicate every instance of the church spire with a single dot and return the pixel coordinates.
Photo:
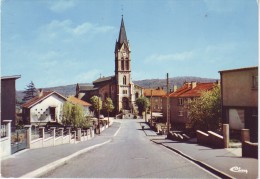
(122, 34)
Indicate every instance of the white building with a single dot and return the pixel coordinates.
(44, 108)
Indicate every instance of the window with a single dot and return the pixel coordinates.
(136, 95)
(180, 101)
(52, 113)
(254, 82)
(180, 113)
(127, 65)
(122, 65)
(124, 91)
(124, 80)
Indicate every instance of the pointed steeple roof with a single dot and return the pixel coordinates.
(122, 34)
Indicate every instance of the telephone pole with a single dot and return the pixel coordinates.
(98, 116)
(168, 106)
(151, 106)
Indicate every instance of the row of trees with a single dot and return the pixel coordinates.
(98, 104)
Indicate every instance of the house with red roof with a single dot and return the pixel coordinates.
(183, 95)
(155, 97)
(45, 107)
(84, 104)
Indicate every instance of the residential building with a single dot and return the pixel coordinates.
(239, 89)
(82, 103)
(8, 98)
(155, 97)
(178, 99)
(118, 87)
(46, 107)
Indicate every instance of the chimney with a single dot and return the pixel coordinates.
(175, 88)
(217, 82)
(40, 93)
(193, 84)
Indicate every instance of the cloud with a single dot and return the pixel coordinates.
(88, 27)
(61, 5)
(88, 76)
(65, 29)
(210, 53)
(170, 57)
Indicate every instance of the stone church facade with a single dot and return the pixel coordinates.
(119, 87)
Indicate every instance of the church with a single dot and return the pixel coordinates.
(119, 87)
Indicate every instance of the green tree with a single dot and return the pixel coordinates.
(77, 115)
(143, 104)
(108, 106)
(73, 114)
(67, 116)
(204, 113)
(30, 92)
(96, 104)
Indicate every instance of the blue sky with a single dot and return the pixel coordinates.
(61, 42)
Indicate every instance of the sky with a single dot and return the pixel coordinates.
(62, 42)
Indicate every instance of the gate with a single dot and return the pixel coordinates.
(18, 140)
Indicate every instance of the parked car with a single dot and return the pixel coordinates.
(101, 116)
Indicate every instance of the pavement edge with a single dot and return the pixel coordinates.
(51, 166)
(202, 164)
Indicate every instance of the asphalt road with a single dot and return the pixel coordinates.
(130, 155)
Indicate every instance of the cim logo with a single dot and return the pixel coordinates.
(238, 170)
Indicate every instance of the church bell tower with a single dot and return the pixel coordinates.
(123, 71)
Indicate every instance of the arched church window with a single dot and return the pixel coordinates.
(124, 80)
(122, 64)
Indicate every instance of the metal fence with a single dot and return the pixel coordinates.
(35, 133)
(3, 131)
(18, 140)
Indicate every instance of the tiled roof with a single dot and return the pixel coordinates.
(196, 92)
(37, 99)
(103, 79)
(181, 90)
(86, 88)
(75, 100)
(156, 92)
(187, 91)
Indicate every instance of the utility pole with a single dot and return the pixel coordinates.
(98, 117)
(151, 106)
(167, 106)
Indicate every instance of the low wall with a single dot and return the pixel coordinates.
(211, 139)
(250, 149)
(37, 143)
(5, 146)
(202, 137)
(5, 142)
(216, 140)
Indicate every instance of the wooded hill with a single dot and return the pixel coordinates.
(148, 83)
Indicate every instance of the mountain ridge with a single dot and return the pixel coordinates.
(67, 90)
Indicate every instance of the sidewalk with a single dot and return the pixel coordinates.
(35, 162)
(228, 163)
